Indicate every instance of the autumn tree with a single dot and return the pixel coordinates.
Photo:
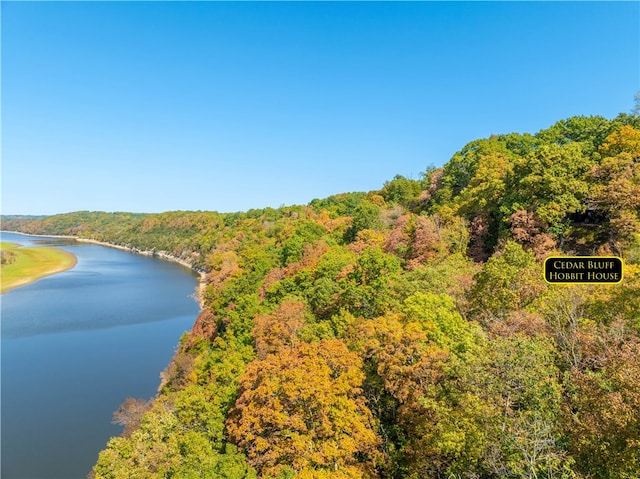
(564, 308)
(406, 356)
(129, 414)
(325, 295)
(617, 184)
(463, 166)
(588, 130)
(205, 327)
(401, 365)
(602, 414)
(494, 413)
(278, 330)
(303, 409)
(416, 239)
(183, 433)
(305, 232)
(528, 230)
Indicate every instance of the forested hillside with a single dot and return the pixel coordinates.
(405, 332)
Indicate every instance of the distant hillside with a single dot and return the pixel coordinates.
(19, 219)
(405, 332)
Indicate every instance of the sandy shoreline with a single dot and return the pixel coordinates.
(41, 272)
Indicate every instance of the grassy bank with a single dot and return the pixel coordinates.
(21, 266)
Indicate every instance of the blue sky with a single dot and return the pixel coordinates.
(227, 106)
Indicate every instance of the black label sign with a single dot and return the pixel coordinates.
(583, 269)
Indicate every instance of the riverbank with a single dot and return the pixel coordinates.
(199, 293)
(154, 254)
(26, 265)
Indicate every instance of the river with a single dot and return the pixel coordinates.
(75, 345)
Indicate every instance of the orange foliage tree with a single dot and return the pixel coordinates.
(302, 409)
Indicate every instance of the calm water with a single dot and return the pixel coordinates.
(75, 345)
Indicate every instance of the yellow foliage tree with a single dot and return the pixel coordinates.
(303, 409)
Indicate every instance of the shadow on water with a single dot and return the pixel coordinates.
(55, 242)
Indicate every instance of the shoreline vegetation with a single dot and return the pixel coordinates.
(25, 265)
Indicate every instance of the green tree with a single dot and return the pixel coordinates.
(368, 287)
(163, 447)
(510, 280)
(443, 323)
(482, 198)
(365, 216)
(495, 413)
(550, 181)
(401, 190)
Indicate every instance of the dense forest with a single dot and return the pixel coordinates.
(405, 332)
